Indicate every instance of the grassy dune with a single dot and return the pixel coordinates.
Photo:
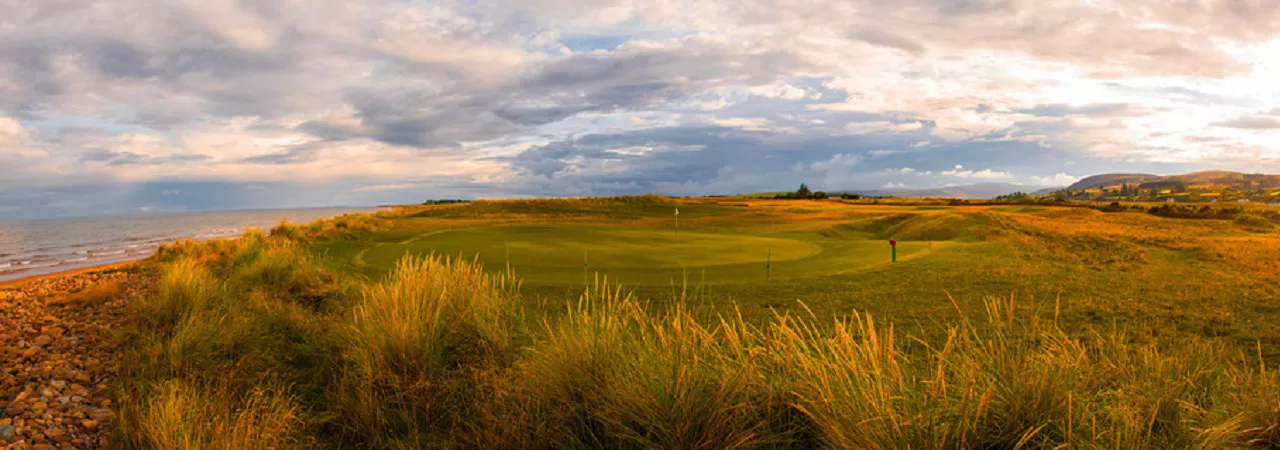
(307, 338)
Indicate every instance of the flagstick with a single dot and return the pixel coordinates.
(768, 264)
(677, 223)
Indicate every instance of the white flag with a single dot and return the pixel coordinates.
(677, 211)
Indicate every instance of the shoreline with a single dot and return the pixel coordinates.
(18, 283)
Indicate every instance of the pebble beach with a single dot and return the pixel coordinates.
(57, 358)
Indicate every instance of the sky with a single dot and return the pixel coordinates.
(134, 106)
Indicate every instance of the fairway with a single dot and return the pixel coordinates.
(594, 312)
(568, 254)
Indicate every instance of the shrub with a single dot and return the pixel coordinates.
(1191, 212)
(1254, 222)
(347, 226)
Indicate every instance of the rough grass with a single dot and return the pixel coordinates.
(258, 343)
(93, 295)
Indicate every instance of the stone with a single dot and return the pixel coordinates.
(15, 409)
(55, 362)
(102, 414)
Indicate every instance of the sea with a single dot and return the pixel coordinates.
(38, 247)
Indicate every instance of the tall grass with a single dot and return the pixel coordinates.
(255, 343)
(420, 344)
(181, 416)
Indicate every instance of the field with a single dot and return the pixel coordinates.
(1098, 269)
(594, 323)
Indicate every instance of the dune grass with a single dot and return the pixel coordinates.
(257, 343)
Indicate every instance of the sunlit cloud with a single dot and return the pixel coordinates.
(387, 101)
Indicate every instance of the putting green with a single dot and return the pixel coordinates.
(555, 254)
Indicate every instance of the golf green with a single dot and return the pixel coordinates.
(568, 254)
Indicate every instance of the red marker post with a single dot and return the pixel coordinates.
(893, 244)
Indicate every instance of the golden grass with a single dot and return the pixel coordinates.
(182, 416)
(417, 340)
(254, 343)
(93, 295)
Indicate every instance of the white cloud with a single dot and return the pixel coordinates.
(1057, 179)
(893, 185)
(960, 172)
(779, 90)
(746, 123)
(133, 91)
(881, 126)
(839, 161)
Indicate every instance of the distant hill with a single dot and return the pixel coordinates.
(974, 191)
(1209, 179)
(1047, 191)
(1108, 180)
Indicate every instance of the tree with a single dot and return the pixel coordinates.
(804, 191)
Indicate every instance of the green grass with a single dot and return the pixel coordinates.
(565, 254)
(1019, 329)
(1129, 269)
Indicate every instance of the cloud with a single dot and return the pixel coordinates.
(551, 97)
(754, 123)
(1251, 123)
(884, 38)
(882, 126)
(1057, 179)
(959, 172)
(1094, 110)
(387, 187)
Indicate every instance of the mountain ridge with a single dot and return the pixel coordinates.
(970, 191)
(1199, 179)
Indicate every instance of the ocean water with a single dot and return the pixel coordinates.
(36, 247)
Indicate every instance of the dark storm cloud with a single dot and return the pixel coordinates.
(618, 81)
(697, 155)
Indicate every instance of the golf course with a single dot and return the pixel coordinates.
(735, 323)
(833, 258)
(562, 254)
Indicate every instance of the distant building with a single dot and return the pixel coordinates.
(1242, 200)
(1169, 200)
